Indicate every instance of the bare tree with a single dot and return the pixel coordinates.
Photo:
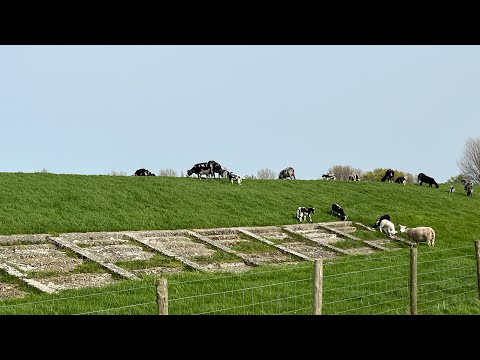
(470, 163)
(117, 173)
(343, 171)
(266, 174)
(167, 172)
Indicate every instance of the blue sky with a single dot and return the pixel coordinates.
(98, 109)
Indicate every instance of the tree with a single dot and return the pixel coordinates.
(117, 173)
(378, 173)
(342, 172)
(470, 163)
(167, 172)
(266, 174)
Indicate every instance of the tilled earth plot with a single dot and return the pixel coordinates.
(36, 261)
(294, 244)
(190, 251)
(248, 247)
(120, 249)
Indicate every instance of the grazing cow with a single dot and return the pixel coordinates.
(452, 189)
(353, 177)
(401, 180)
(233, 177)
(303, 212)
(383, 217)
(329, 176)
(389, 175)
(216, 168)
(200, 169)
(469, 188)
(143, 172)
(422, 178)
(288, 172)
(337, 210)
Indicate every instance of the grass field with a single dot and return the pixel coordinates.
(53, 204)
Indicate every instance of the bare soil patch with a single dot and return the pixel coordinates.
(8, 291)
(22, 239)
(180, 245)
(38, 257)
(360, 251)
(158, 270)
(314, 252)
(228, 266)
(114, 253)
(77, 281)
(269, 257)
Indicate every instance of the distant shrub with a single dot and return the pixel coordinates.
(167, 172)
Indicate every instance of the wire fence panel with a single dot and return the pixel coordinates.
(445, 279)
(377, 284)
(288, 290)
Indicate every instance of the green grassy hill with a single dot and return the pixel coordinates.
(49, 203)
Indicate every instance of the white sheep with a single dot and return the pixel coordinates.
(418, 234)
(387, 227)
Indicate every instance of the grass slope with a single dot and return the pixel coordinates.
(49, 203)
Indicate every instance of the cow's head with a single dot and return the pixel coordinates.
(189, 172)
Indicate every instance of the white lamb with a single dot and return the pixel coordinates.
(420, 234)
(387, 227)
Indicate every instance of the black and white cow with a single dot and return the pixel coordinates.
(389, 175)
(288, 172)
(143, 172)
(401, 180)
(329, 176)
(353, 177)
(451, 189)
(422, 178)
(469, 188)
(383, 217)
(303, 212)
(200, 169)
(337, 210)
(216, 168)
(234, 177)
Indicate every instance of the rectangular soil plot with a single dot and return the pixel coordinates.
(274, 234)
(190, 251)
(249, 247)
(38, 258)
(77, 281)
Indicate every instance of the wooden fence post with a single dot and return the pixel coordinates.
(162, 296)
(317, 287)
(477, 256)
(413, 280)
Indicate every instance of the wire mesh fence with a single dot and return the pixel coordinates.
(446, 282)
